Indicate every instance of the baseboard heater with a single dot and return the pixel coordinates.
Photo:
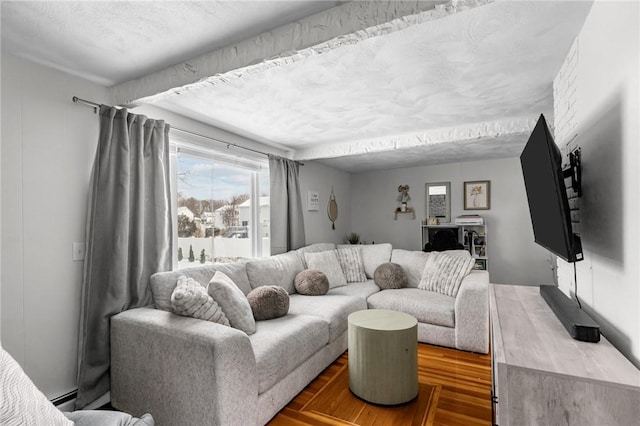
(579, 325)
(65, 398)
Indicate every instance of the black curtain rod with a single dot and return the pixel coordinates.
(95, 107)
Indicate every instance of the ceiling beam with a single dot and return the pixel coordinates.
(324, 30)
(461, 133)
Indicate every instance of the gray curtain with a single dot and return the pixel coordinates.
(128, 235)
(287, 223)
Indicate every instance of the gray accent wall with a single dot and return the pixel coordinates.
(513, 256)
(320, 178)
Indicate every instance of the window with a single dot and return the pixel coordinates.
(217, 219)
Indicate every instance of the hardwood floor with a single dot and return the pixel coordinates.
(455, 389)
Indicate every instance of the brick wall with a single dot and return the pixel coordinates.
(565, 121)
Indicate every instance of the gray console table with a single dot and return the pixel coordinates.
(541, 376)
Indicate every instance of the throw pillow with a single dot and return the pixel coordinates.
(311, 282)
(268, 302)
(444, 272)
(327, 263)
(190, 299)
(314, 248)
(233, 302)
(350, 260)
(22, 401)
(389, 276)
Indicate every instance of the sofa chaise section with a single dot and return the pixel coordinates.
(460, 322)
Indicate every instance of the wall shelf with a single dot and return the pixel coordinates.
(409, 211)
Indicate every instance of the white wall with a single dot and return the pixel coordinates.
(48, 145)
(513, 256)
(605, 118)
(2, 138)
(318, 177)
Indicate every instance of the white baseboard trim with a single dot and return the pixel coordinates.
(104, 399)
(67, 402)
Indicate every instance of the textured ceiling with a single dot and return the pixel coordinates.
(459, 82)
(110, 42)
(491, 63)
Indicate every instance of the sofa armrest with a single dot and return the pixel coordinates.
(472, 313)
(182, 370)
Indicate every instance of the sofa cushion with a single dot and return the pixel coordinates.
(190, 299)
(361, 290)
(107, 418)
(373, 255)
(163, 283)
(268, 302)
(331, 308)
(280, 270)
(284, 343)
(233, 302)
(314, 248)
(426, 306)
(389, 276)
(350, 259)
(412, 263)
(327, 263)
(311, 282)
(444, 272)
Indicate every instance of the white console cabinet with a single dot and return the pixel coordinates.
(541, 376)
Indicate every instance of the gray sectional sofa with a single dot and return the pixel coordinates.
(186, 371)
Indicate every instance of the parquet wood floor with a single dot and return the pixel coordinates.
(455, 390)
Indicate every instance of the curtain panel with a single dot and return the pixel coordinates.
(128, 235)
(287, 223)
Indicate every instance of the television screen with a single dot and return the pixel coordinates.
(548, 204)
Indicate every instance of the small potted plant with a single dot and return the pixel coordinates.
(353, 238)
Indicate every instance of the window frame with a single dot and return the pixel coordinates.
(191, 146)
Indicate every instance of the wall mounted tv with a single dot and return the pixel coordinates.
(547, 194)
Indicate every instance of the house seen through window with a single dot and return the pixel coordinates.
(218, 219)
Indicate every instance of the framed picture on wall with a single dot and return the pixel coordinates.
(477, 195)
(313, 200)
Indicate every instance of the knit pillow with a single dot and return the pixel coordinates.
(268, 302)
(190, 299)
(390, 276)
(21, 403)
(327, 263)
(444, 272)
(232, 301)
(350, 260)
(311, 282)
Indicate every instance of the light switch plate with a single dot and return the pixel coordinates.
(78, 251)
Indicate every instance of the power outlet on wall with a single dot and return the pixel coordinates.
(78, 250)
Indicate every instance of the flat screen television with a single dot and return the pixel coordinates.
(547, 195)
